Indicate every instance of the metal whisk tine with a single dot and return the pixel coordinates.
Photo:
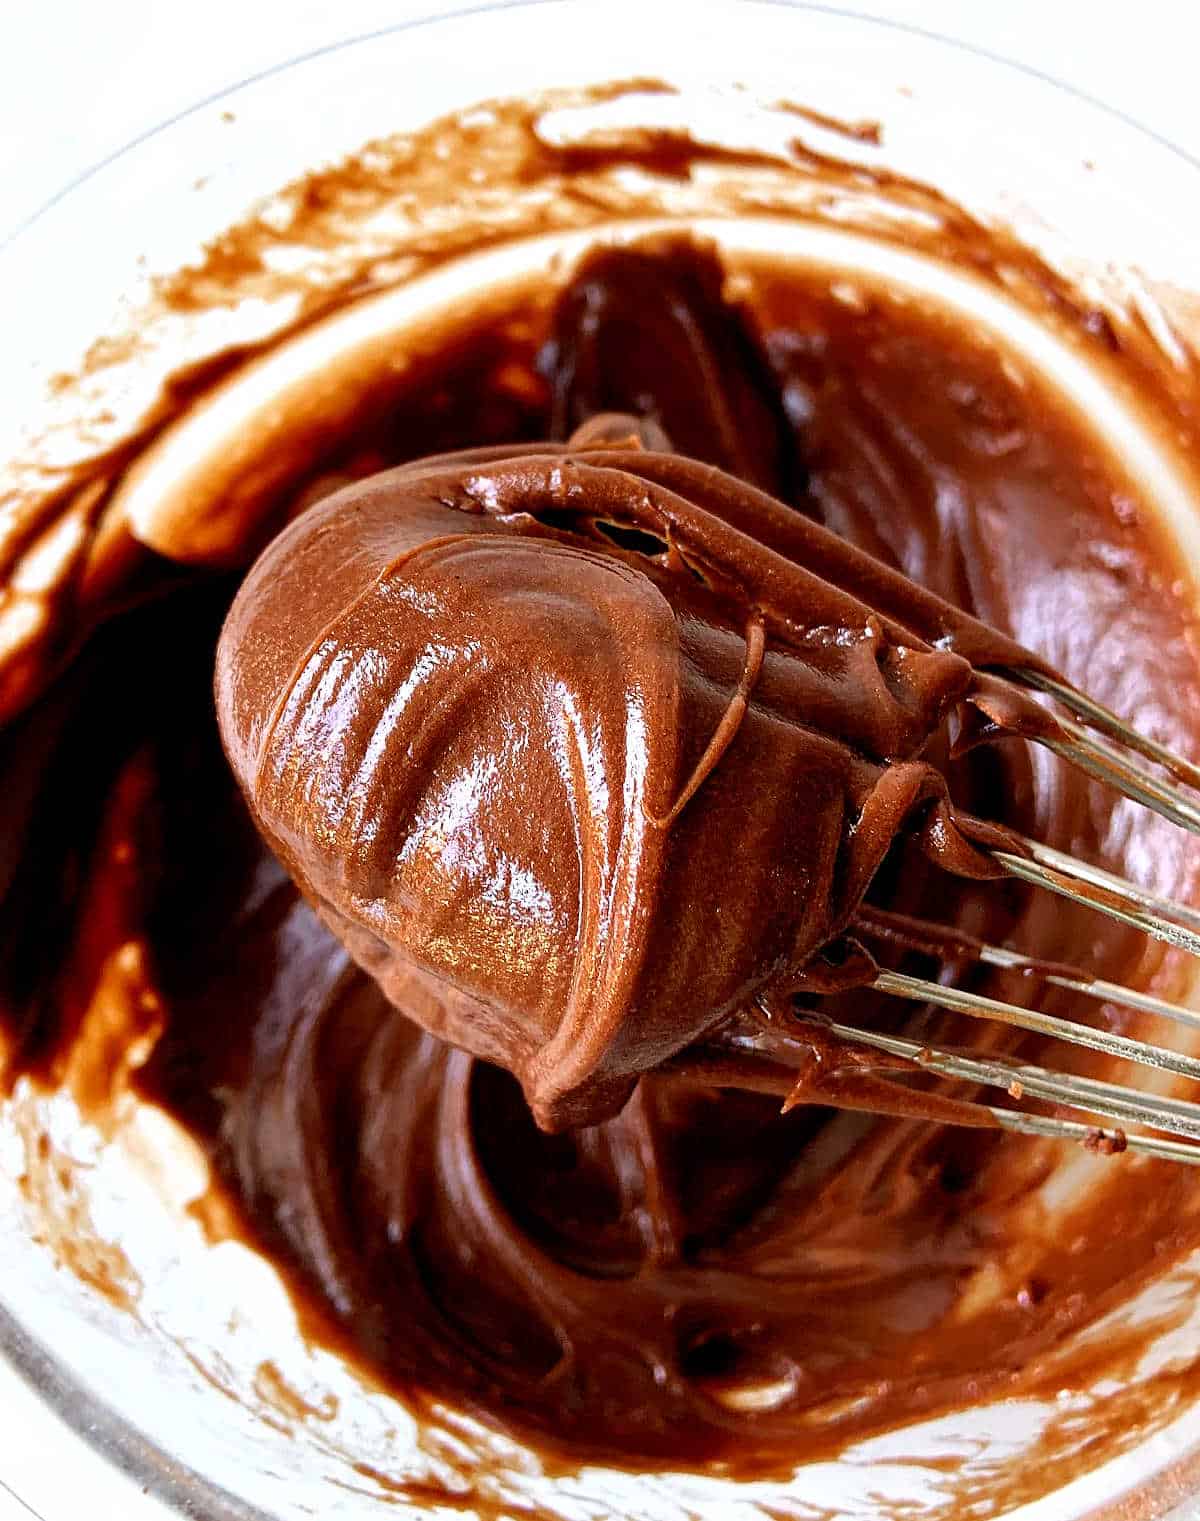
(1096, 716)
(1110, 1101)
(1162, 918)
(1108, 881)
(1106, 763)
(1120, 1106)
(1177, 924)
(1086, 1135)
(1117, 755)
(981, 1007)
(1115, 763)
(916, 934)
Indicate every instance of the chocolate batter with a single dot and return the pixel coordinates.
(698, 1280)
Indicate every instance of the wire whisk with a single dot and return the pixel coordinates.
(806, 1057)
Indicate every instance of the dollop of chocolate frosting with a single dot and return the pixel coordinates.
(580, 749)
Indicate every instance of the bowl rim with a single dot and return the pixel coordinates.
(1174, 1491)
(886, 23)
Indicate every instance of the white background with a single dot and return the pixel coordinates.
(81, 78)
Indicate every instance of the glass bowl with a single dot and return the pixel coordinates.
(197, 1380)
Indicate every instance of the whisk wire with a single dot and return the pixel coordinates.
(1164, 919)
(978, 1006)
(1104, 762)
(1110, 1101)
(1096, 716)
(1110, 755)
(1117, 899)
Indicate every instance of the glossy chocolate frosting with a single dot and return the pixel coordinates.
(506, 753)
